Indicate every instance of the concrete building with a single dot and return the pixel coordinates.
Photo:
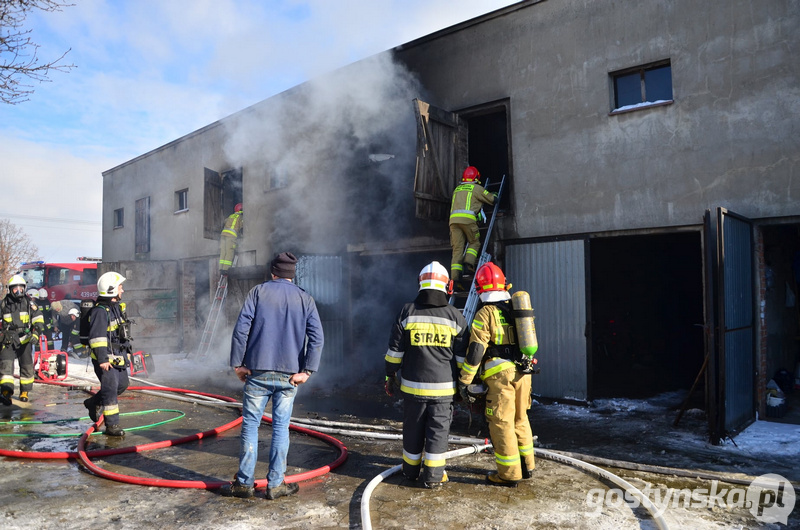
(650, 150)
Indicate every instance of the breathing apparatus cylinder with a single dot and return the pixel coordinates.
(523, 322)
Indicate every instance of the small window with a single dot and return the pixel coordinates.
(119, 218)
(642, 86)
(181, 200)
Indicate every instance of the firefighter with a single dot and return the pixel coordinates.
(109, 342)
(494, 356)
(227, 241)
(22, 325)
(44, 305)
(66, 314)
(425, 340)
(468, 199)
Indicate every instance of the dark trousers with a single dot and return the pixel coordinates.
(24, 356)
(113, 382)
(426, 425)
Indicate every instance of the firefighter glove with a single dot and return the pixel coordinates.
(390, 385)
(466, 396)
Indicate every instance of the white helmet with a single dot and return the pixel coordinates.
(43, 294)
(17, 280)
(108, 284)
(74, 313)
(435, 276)
(33, 293)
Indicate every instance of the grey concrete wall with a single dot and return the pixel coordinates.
(730, 138)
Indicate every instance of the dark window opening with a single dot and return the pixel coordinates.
(142, 226)
(119, 218)
(222, 191)
(643, 84)
(488, 150)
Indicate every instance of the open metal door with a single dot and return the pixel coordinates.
(439, 134)
(731, 340)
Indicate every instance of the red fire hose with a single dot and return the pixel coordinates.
(84, 456)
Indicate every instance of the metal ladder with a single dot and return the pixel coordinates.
(471, 305)
(217, 304)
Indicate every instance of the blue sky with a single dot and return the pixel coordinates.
(151, 71)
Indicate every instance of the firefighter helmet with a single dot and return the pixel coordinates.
(471, 174)
(33, 293)
(434, 276)
(490, 278)
(17, 280)
(237, 208)
(43, 294)
(108, 284)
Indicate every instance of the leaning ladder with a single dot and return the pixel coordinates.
(210, 329)
(471, 305)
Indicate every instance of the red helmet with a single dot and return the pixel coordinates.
(490, 278)
(471, 174)
(237, 208)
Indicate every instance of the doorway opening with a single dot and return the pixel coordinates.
(488, 147)
(781, 303)
(646, 296)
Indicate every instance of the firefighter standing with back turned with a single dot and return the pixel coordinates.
(109, 341)
(428, 338)
(494, 349)
(468, 199)
(227, 241)
(22, 325)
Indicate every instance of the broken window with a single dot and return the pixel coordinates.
(143, 225)
(642, 86)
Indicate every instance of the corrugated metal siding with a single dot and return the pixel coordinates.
(738, 286)
(321, 277)
(554, 274)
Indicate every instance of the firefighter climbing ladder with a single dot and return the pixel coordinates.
(213, 314)
(470, 306)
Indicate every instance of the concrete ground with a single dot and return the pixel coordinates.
(63, 494)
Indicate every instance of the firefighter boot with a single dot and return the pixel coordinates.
(494, 479)
(5, 397)
(23, 396)
(437, 485)
(94, 411)
(114, 430)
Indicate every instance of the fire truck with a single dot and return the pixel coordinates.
(73, 281)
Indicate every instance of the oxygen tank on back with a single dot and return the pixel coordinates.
(523, 322)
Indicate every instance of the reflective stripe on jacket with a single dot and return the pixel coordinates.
(489, 327)
(233, 225)
(425, 341)
(467, 201)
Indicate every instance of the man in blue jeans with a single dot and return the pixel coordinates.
(269, 355)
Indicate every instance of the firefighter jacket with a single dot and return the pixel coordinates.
(233, 225)
(492, 342)
(467, 202)
(270, 334)
(428, 339)
(22, 320)
(109, 338)
(44, 306)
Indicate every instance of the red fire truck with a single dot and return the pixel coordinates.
(73, 281)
